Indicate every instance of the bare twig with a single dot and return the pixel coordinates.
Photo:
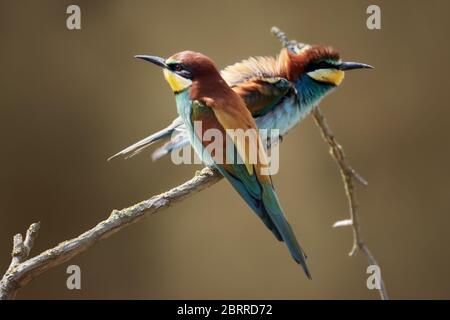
(347, 176)
(347, 172)
(21, 272)
(21, 248)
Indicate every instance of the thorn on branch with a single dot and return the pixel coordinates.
(358, 177)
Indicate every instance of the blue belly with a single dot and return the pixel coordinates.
(294, 106)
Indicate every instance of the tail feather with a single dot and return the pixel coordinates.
(274, 211)
(261, 197)
(178, 140)
(144, 143)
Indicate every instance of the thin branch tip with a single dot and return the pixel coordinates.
(347, 172)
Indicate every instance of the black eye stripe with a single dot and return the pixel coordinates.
(180, 69)
(177, 67)
(319, 65)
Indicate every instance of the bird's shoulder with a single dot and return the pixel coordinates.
(262, 94)
(230, 108)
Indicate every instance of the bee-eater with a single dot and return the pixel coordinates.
(279, 92)
(202, 95)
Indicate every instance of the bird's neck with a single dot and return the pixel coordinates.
(311, 92)
(209, 85)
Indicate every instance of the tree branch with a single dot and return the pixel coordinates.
(347, 172)
(21, 272)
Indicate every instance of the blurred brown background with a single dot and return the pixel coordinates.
(70, 99)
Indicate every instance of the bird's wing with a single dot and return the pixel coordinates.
(237, 117)
(255, 187)
(262, 67)
(261, 95)
(260, 81)
(174, 129)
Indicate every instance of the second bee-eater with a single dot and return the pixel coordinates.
(202, 95)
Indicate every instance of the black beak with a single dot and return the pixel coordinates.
(160, 62)
(353, 65)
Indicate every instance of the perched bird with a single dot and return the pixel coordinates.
(202, 95)
(279, 92)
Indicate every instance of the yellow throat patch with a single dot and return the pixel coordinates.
(176, 82)
(332, 76)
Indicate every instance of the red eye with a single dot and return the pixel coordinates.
(178, 68)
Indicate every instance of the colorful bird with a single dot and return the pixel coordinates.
(202, 95)
(279, 92)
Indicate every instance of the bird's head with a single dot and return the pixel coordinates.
(320, 63)
(181, 69)
(316, 70)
